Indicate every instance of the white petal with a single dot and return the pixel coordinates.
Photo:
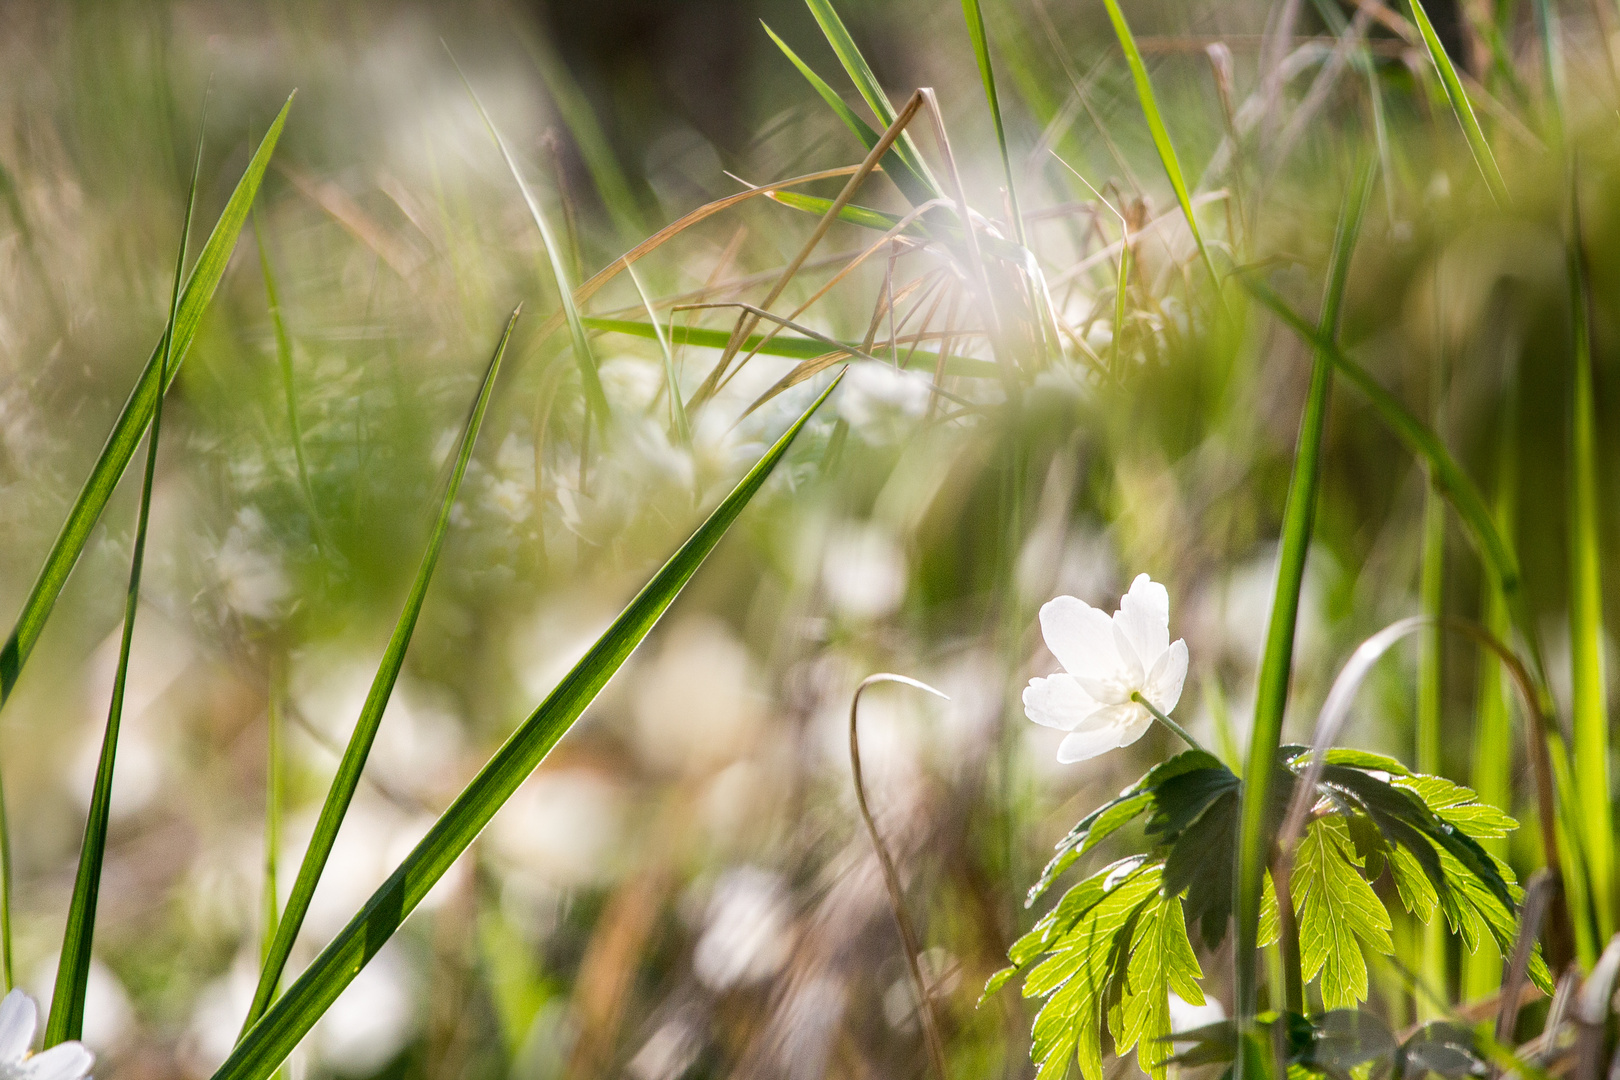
(1135, 725)
(1080, 636)
(1164, 682)
(1133, 670)
(1080, 745)
(18, 1018)
(1057, 702)
(1144, 616)
(64, 1061)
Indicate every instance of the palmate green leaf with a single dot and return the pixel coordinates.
(353, 763)
(66, 1019)
(1161, 960)
(137, 413)
(268, 1042)
(1338, 913)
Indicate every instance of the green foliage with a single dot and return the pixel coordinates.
(1108, 953)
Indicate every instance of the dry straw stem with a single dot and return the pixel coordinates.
(891, 876)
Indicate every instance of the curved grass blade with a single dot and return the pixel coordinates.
(860, 73)
(911, 185)
(1161, 134)
(1460, 105)
(269, 1041)
(589, 377)
(1589, 702)
(672, 385)
(73, 970)
(1276, 665)
(339, 795)
(132, 422)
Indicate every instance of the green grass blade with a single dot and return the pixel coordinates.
(1460, 105)
(860, 73)
(272, 819)
(594, 148)
(7, 971)
(589, 377)
(1431, 588)
(269, 1042)
(672, 385)
(916, 190)
(1161, 134)
(342, 789)
(1589, 701)
(1276, 665)
(132, 422)
(987, 75)
(792, 348)
(284, 361)
(73, 970)
(1492, 773)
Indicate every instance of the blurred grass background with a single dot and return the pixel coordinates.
(683, 889)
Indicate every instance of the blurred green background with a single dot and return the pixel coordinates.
(683, 889)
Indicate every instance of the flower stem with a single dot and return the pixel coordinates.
(1136, 696)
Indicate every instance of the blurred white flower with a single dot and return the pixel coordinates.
(18, 1018)
(1105, 663)
(107, 1011)
(1185, 1016)
(250, 576)
(563, 825)
(864, 572)
(748, 930)
(877, 394)
(373, 1019)
(696, 706)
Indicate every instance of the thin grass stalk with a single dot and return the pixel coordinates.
(1589, 700)
(66, 1019)
(1491, 774)
(7, 951)
(136, 415)
(589, 376)
(987, 75)
(1161, 134)
(270, 906)
(1460, 105)
(1430, 674)
(286, 1022)
(289, 387)
(1271, 698)
(672, 385)
(347, 779)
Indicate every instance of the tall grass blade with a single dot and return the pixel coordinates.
(860, 73)
(911, 184)
(1271, 695)
(274, 767)
(1588, 698)
(1492, 771)
(1431, 587)
(1161, 134)
(341, 792)
(1502, 567)
(269, 1041)
(126, 433)
(1460, 105)
(73, 970)
(672, 385)
(589, 377)
(987, 75)
(6, 948)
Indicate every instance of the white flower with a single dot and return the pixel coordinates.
(1105, 661)
(18, 1018)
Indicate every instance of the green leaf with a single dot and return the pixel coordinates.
(1161, 960)
(1201, 864)
(1161, 134)
(268, 1042)
(866, 83)
(66, 1019)
(912, 185)
(132, 422)
(791, 347)
(1460, 806)
(1460, 105)
(1276, 664)
(584, 359)
(353, 762)
(1338, 914)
